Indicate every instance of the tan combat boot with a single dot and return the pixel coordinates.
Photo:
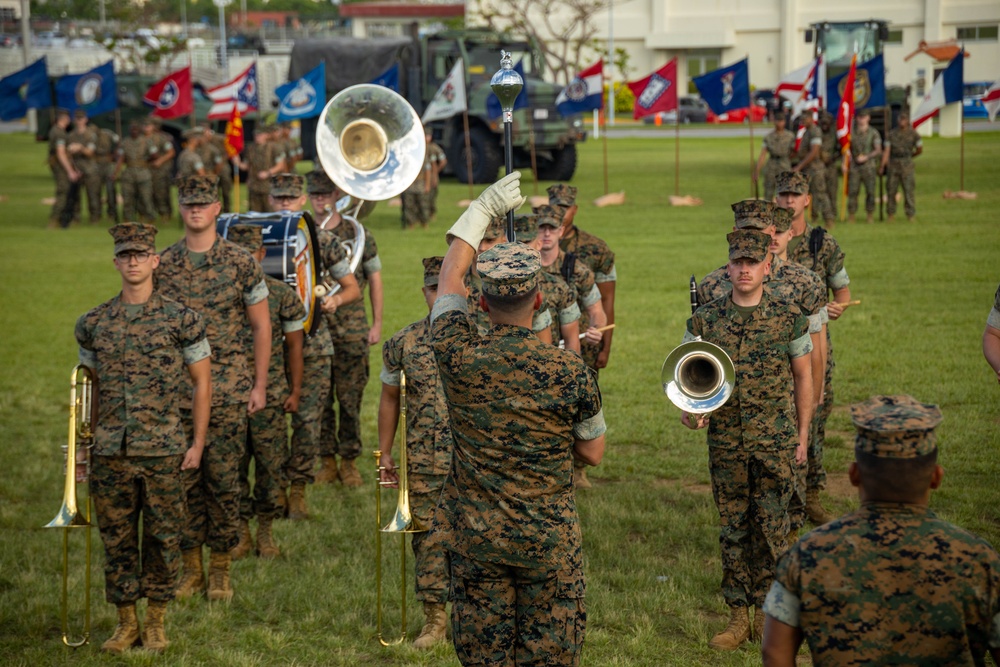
(297, 502)
(126, 633)
(580, 480)
(154, 637)
(435, 624)
(193, 578)
(814, 509)
(349, 474)
(218, 577)
(328, 472)
(737, 632)
(758, 624)
(243, 547)
(266, 548)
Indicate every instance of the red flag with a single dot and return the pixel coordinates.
(657, 92)
(845, 112)
(171, 96)
(234, 133)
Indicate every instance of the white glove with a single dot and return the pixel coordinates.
(502, 196)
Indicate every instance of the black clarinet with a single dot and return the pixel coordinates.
(694, 294)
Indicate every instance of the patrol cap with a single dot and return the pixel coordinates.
(509, 269)
(62, 111)
(250, 237)
(80, 113)
(562, 194)
(783, 218)
(548, 215)
(525, 227)
(198, 190)
(432, 270)
(193, 133)
(753, 214)
(134, 236)
(791, 181)
(318, 183)
(152, 120)
(748, 244)
(263, 128)
(862, 112)
(287, 185)
(495, 229)
(780, 116)
(895, 427)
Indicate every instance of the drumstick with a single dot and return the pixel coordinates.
(606, 328)
(848, 303)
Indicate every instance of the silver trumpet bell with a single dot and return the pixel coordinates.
(698, 376)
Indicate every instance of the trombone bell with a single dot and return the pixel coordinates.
(698, 377)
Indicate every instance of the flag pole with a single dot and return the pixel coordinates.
(236, 184)
(604, 142)
(468, 149)
(677, 154)
(753, 190)
(534, 157)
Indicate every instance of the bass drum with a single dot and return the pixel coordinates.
(293, 252)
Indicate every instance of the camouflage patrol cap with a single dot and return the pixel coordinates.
(193, 133)
(525, 227)
(62, 111)
(80, 113)
(562, 194)
(548, 215)
(791, 181)
(783, 218)
(318, 183)
(432, 270)
(862, 112)
(509, 269)
(133, 236)
(495, 229)
(749, 244)
(753, 214)
(155, 121)
(198, 190)
(249, 237)
(896, 427)
(287, 185)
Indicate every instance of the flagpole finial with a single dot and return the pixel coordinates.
(506, 84)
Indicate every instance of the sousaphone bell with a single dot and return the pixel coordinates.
(698, 376)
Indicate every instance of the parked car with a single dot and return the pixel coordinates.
(758, 114)
(972, 99)
(690, 109)
(767, 100)
(9, 41)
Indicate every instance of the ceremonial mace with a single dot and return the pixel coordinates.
(506, 85)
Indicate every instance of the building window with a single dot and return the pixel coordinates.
(700, 62)
(895, 38)
(978, 33)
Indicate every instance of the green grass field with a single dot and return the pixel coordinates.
(649, 524)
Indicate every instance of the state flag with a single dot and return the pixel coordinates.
(240, 92)
(172, 96)
(95, 91)
(657, 92)
(25, 89)
(584, 93)
(727, 88)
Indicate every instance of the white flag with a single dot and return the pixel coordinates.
(991, 100)
(449, 98)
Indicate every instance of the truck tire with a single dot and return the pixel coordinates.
(561, 167)
(487, 157)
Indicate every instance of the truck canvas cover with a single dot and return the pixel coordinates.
(350, 60)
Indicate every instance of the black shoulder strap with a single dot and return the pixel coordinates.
(569, 267)
(815, 243)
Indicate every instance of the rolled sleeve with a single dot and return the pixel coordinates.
(592, 297)
(256, 294)
(88, 358)
(839, 280)
(288, 326)
(448, 302)
(816, 321)
(994, 318)
(388, 377)
(197, 352)
(570, 313)
(541, 321)
(783, 605)
(590, 428)
(373, 265)
(341, 269)
(800, 347)
(609, 277)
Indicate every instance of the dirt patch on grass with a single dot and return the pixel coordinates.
(839, 486)
(688, 485)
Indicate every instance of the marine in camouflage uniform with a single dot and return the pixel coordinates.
(866, 149)
(991, 336)
(267, 432)
(226, 286)
(161, 167)
(420, 199)
(212, 149)
(777, 150)
(520, 410)
(139, 344)
(63, 171)
(105, 157)
(559, 312)
(752, 438)
(833, 164)
(428, 449)
(807, 158)
(83, 147)
(263, 159)
(889, 583)
(901, 146)
(189, 162)
(132, 171)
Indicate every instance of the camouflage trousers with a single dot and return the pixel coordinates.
(831, 176)
(258, 202)
(861, 174)
(307, 423)
(505, 616)
(161, 189)
(349, 375)
(752, 491)
(109, 196)
(430, 557)
(267, 445)
(62, 210)
(123, 488)
(902, 173)
(226, 188)
(772, 168)
(213, 490)
(137, 195)
(417, 207)
(820, 195)
(90, 182)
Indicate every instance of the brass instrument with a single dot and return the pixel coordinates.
(82, 408)
(370, 142)
(698, 376)
(402, 521)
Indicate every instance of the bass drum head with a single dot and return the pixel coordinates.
(291, 252)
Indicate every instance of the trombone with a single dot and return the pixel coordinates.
(82, 408)
(402, 522)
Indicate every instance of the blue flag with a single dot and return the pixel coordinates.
(305, 97)
(726, 88)
(25, 89)
(95, 91)
(493, 108)
(869, 85)
(389, 78)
